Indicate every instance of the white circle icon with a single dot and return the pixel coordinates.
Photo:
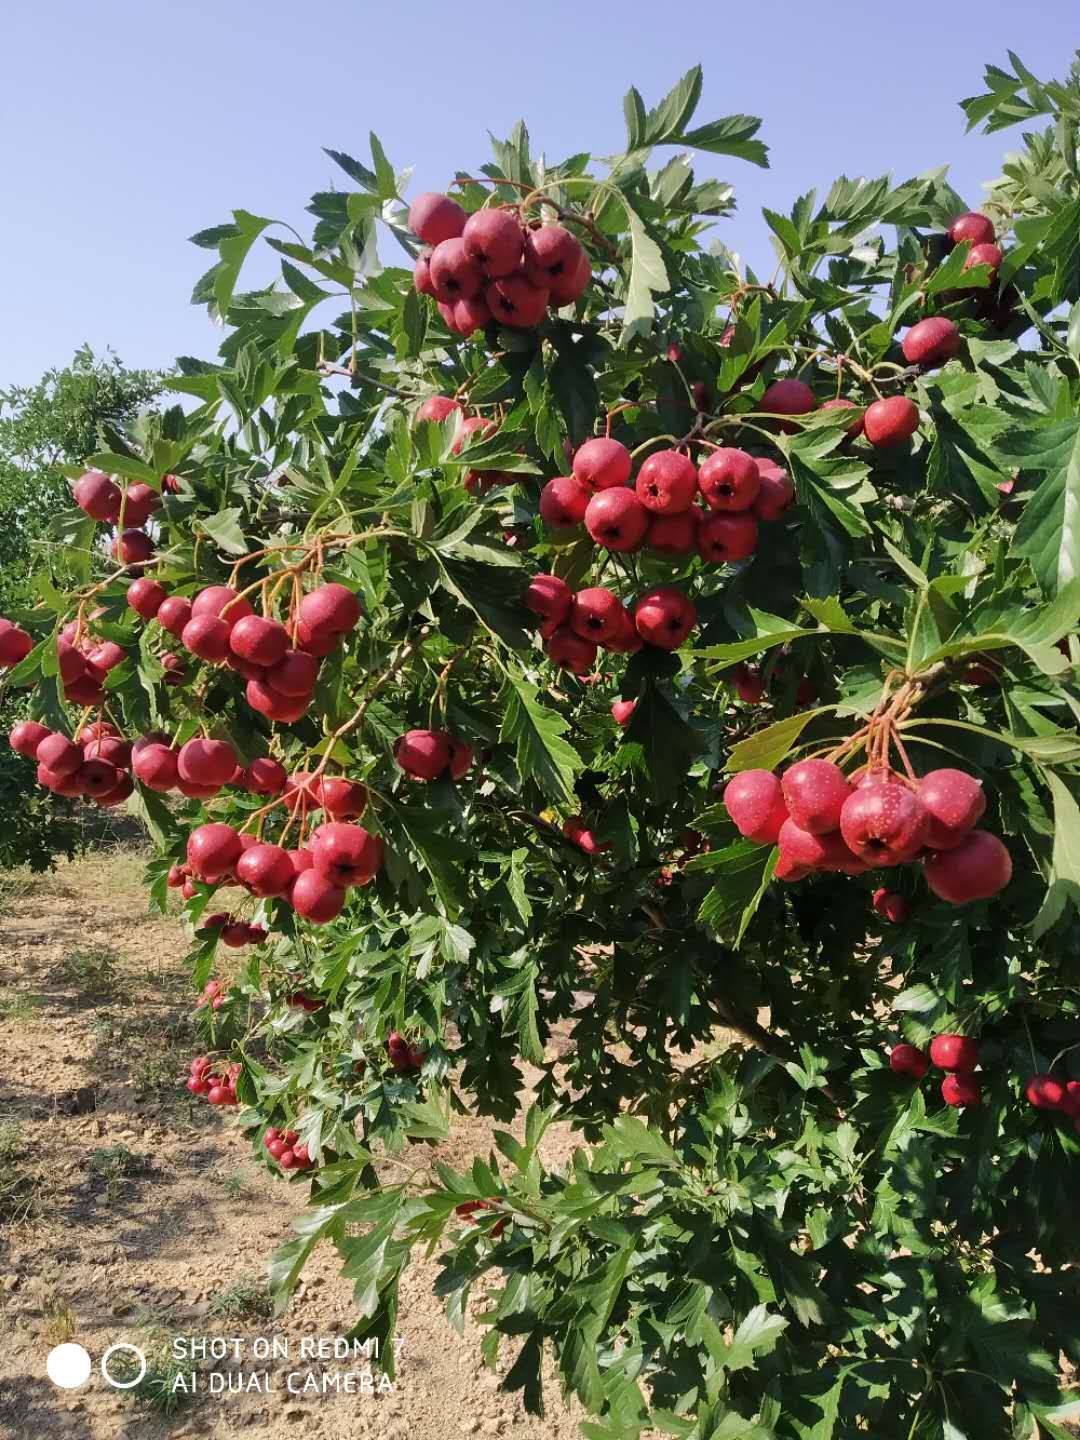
(123, 1384)
(68, 1366)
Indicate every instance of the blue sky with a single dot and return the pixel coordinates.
(129, 124)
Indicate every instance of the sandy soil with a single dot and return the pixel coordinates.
(127, 1210)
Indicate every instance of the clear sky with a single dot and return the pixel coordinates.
(129, 124)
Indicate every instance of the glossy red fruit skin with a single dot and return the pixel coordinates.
(516, 302)
(26, 736)
(155, 766)
(434, 218)
(282, 709)
(755, 801)
(331, 608)
(954, 1052)
(888, 423)
(461, 758)
(549, 597)
(787, 397)
(776, 493)
(97, 496)
(342, 799)
(956, 803)
(595, 614)
(570, 651)
(207, 637)
(97, 778)
(471, 313)
(960, 1091)
(884, 824)
(552, 256)
(626, 640)
(59, 755)
(346, 854)
(973, 227)
(423, 754)
(908, 1060)
(138, 503)
(674, 535)
(494, 240)
(798, 847)
(15, 644)
(108, 747)
(617, 520)
(422, 274)
(568, 289)
(749, 684)
(815, 792)
(601, 464)
(258, 640)
(979, 867)
(145, 596)
(206, 762)
(132, 547)
(788, 871)
(623, 710)
(438, 408)
(563, 503)
(729, 479)
(664, 617)
(266, 870)
(1071, 1102)
(931, 342)
(173, 614)
(891, 906)
(839, 403)
(985, 255)
(223, 602)
(1045, 1092)
(212, 851)
(727, 539)
(667, 483)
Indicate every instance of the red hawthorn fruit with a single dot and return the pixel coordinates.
(978, 868)
(138, 503)
(776, 493)
(235, 934)
(888, 423)
(471, 313)
(461, 758)
(788, 871)
(266, 870)
(563, 503)
(86, 691)
(294, 675)
(67, 785)
(973, 227)
(549, 597)
(345, 854)
(453, 274)
(727, 539)
(15, 644)
(908, 1060)
(1045, 1093)
(674, 354)
(493, 239)
(123, 790)
(674, 535)
(891, 906)
(59, 755)
(26, 736)
(622, 710)
(755, 801)
(330, 609)
(188, 890)
(108, 747)
(787, 397)
(438, 408)
(207, 637)
(576, 832)
(808, 851)
(212, 851)
(931, 342)
(1071, 1102)
(665, 617)
(749, 684)
(667, 483)
(342, 799)
(570, 651)
(97, 778)
(282, 709)
(222, 602)
(568, 288)
(316, 897)
(197, 792)
(626, 640)
(259, 641)
(206, 762)
(961, 1090)
(106, 656)
(815, 792)
(839, 403)
(132, 548)
(423, 754)
(177, 876)
(985, 255)
(422, 274)
(601, 464)
(516, 302)
(145, 596)
(596, 614)
(884, 824)
(729, 480)
(170, 484)
(97, 496)
(155, 766)
(552, 256)
(434, 218)
(173, 614)
(955, 802)
(954, 1052)
(617, 520)
(477, 425)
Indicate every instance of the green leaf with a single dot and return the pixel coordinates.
(543, 754)
(766, 749)
(741, 873)
(128, 466)
(733, 135)
(648, 277)
(1065, 865)
(757, 1335)
(224, 529)
(1049, 530)
(668, 743)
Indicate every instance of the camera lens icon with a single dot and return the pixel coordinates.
(104, 1366)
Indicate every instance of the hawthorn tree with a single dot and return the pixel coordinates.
(776, 816)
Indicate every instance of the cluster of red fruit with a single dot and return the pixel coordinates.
(822, 821)
(661, 509)
(750, 685)
(428, 754)
(575, 624)
(406, 1059)
(284, 1147)
(1046, 1092)
(218, 1087)
(233, 932)
(279, 662)
(128, 509)
(313, 879)
(488, 266)
(214, 995)
(956, 1054)
(96, 765)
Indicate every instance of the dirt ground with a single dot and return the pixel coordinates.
(131, 1213)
